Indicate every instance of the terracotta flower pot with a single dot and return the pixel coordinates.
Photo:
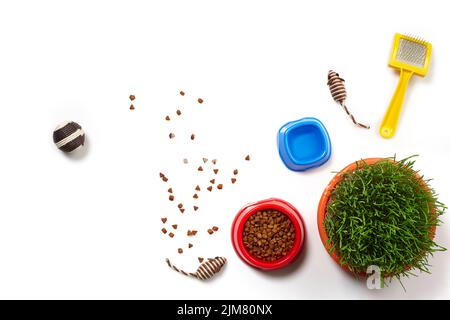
(323, 204)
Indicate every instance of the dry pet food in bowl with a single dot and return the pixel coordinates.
(268, 234)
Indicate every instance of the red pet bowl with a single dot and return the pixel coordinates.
(273, 204)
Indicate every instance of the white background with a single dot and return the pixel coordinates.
(89, 227)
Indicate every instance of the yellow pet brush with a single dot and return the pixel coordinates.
(411, 56)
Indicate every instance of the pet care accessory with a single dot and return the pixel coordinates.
(258, 208)
(304, 144)
(379, 212)
(339, 94)
(411, 56)
(68, 136)
(205, 271)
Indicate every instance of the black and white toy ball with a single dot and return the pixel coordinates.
(68, 136)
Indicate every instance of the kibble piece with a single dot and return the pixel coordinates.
(181, 210)
(167, 118)
(214, 161)
(200, 259)
(164, 220)
(235, 171)
(164, 230)
(197, 188)
(200, 168)
(209, 188)
(190, 245)
(181, 93)
(179, 112)
(132, 97)
(189, 233)
(175, 226)
(180, 205)
(247, 158)
(215, 228)
(171, 197)
(212, 181)
(205, 160)
(195, 196)
(216, 171)
(170, 190)
(185, 161)
(194, 232)
(192, 136)
(132, 107)
(233, 180)
(161, 175)
(171, 235)
(200, 100)
(195, 208)
(210, 231)
(171, 135)
(220, 186)
(180, 251)
(165, 179)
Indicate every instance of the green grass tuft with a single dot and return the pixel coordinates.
(381, 214)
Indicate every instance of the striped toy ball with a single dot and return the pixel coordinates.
(68, 136)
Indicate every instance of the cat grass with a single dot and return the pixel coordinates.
(382, 214)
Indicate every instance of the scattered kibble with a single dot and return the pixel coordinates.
(171, 197)
(163, 177)
(175, 226)
(233, 180)
(179, 112)
(209, 188)
(171, 135)
(212, 181)
(200, 259)
(214, 161)
(164, 230)
(195, 208)
(132, 107)
(205, 160)
(180, 205)
(215, 228)
(192, 136)
(268, 235)
(182, 210)
(247, 158)
(180, 251)
(210, 231)
(181, 93)
(200, 168)
(195, 196)
(170, 190)
(216, 171)
(164, 220)
(171, 235)
(197, 188)
(190, 245)
(191, 233)
(132, 97)
(167, 118)
(220, 186)
(200, 100)
(235, 171)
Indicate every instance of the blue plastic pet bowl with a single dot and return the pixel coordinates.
(304, 144)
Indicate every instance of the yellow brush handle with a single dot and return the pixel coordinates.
(390, 119)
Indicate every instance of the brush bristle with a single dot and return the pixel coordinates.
(412, 51)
